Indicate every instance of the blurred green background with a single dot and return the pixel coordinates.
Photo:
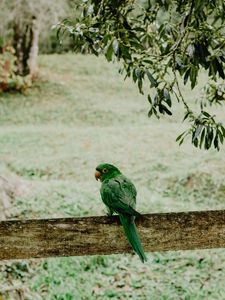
(78, 114)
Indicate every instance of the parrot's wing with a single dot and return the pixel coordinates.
(123, 208)
(120, 194)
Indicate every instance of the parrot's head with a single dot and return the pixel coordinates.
(106, 171)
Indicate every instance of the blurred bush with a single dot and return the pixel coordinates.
(9, 79)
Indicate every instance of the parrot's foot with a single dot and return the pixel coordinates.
(109, 212)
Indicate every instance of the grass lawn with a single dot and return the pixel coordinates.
(51, 140)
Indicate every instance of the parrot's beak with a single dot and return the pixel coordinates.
(97, 175)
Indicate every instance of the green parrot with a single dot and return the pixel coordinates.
(119, 195)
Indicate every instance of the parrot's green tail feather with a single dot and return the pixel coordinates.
(133, 236)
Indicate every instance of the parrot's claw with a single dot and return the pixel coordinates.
(109, 212)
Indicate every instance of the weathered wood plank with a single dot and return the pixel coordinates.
(104, 235)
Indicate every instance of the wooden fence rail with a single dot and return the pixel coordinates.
(104, 235)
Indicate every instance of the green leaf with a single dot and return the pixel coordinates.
(223, 130)
(193, 76)
(190, 50)
(138, 73)
(167, 96)
(109, 52)
(136, 45)
(134, 75)
(115, 46)
(165, 109)
(216, 142)
(186, 75)
(219, 68)
(139, 29)
(156, 99)
(150, 112)
(186, 115)
(140, 84)
(221, 137)
(208, 138)
(149, 99)
(206, 114)
(106, 38)
(161, 110)
(180, 136)
(197, 131)
(202, 138)
(195, 142)
(125, 52)
(151, 79)
(181, 141)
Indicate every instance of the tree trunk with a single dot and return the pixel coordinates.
(33, 55)
(25, 42)
(18, 45)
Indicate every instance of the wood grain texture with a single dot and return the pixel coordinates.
(104, 235)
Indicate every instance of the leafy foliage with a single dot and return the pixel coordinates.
(158, 41)
(214, 94)
(204, 131)
(9, 80)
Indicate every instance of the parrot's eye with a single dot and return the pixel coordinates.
(104, 171)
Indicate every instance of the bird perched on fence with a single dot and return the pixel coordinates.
(119, 195)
